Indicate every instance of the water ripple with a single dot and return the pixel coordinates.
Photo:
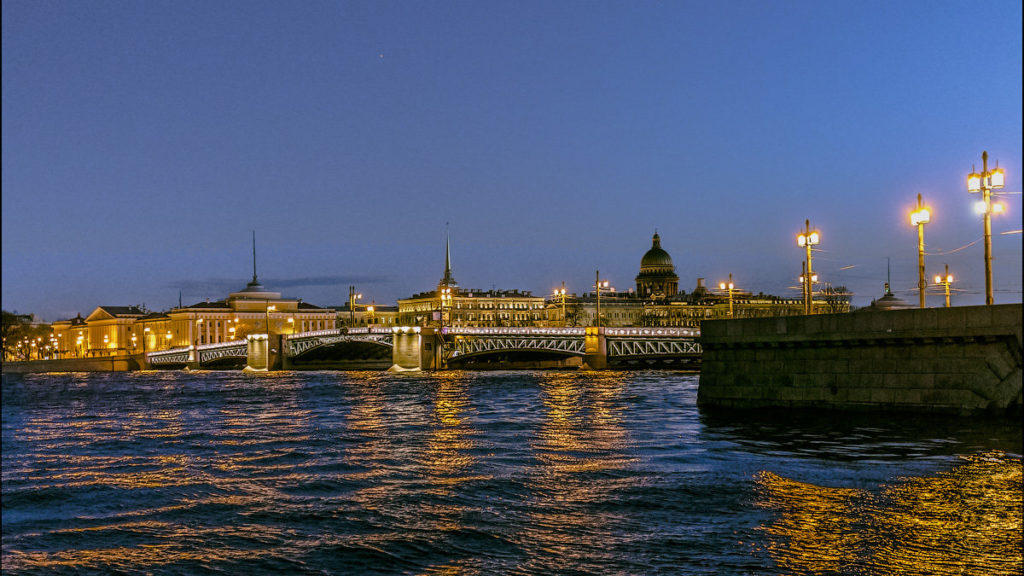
(484, 473)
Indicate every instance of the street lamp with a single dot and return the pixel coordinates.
(598, 284)
(561, 293)
(946, 281)
(446, 302)
(134, 342)
(352, 297)
(807, 239)
(728, 286)
(919, 218)
(806, 279)
(270, 308)
(985, 183)
(199, 326)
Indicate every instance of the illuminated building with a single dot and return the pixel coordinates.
(450, 305)
(657, 279)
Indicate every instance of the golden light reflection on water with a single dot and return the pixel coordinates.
(964, 521)
(447, 455)
(580, 437)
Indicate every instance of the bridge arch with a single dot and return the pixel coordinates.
(357, 349)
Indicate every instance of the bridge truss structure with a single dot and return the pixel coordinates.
(298, 344)
(469, 341)
(632, 343)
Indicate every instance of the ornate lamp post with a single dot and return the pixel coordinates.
(199, 327)
(598, 284)
(808, 239)
(352, 297)
(729, 286)
(919, 218)
(946, 281)
(985, 183)
(446, 302)
(560, 292)
(806, 279)
(270, 308)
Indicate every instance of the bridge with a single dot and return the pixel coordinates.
(596, 347)
(223, 354)
(319, 348)
(340, 348)
(457, 347)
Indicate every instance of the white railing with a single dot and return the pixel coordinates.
(222, 344)
(653, 332)
(508, 331)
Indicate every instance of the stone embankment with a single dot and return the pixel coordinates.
(946, 360)
(121, 363)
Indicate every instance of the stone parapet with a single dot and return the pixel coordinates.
(951, 360)
(122, 363)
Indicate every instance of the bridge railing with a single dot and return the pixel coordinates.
(508, 331)
(336, 331)
(221, 345)
(652, 332)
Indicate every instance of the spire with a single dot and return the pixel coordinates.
(448, 279)
(254, 285)
(254, 280)
(656, 240)
(888, 274)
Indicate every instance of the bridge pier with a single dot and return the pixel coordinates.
(595, 356)
(262, 356)
(286, 359)
(417, 348)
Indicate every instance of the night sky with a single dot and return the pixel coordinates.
(143, 142)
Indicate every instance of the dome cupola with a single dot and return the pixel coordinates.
(657, 278)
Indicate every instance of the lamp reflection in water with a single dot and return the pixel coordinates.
(963, 521)
(580, 443)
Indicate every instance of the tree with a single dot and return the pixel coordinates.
(20, 328)
(573, 314)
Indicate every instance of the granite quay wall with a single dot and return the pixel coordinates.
(948, 360)
(121, 363)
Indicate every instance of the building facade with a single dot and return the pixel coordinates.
(112, 330)
(657, 279)
(450, 305)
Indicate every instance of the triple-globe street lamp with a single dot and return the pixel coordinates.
(807, 239)
(945, 280)
(560, 293)
(985, 183)
(919, 218)
(598, 284)
(728, 286)
(446, 304)
(353, 296)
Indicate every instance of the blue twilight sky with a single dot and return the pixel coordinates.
(143, 142)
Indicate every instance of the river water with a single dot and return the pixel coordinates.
(487, 473)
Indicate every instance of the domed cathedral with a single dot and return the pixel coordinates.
(657, 279)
